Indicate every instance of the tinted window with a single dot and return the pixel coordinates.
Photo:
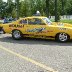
(23, 21)
(35, 21)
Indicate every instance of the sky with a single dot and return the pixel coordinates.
(5, 0)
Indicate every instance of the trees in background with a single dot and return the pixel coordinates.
(47, 7)
(6, 9)
(2, 8)
(9, 8)
(17, 8)
(29, 7)
(56, 11)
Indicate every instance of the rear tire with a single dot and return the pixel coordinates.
(62, 37)
(16, 34)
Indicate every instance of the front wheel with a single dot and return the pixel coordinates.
(16, 34)
(62, 37)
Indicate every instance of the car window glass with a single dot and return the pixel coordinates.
(35, 21)
(23, 21)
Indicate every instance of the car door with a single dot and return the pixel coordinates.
(23, 24)
(36, 26)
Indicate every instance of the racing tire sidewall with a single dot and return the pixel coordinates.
(14, 36)
(65, 40)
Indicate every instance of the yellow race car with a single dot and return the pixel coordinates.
(38, 27)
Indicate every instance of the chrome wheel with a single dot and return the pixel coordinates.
(63, 37)
(16, 34)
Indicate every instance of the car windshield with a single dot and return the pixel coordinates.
(47, 20)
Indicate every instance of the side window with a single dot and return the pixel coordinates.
(23, 21)
(35, 21)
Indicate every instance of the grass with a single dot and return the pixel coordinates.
(66, 21)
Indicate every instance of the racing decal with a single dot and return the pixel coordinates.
(46, 31)
(16, 26)
(60, 24)
(36, 30)
(62, 28)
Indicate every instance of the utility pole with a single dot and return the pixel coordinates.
(17, 8)
(56, 13)
(47, 7)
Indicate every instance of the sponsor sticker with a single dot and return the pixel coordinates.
(16, 26)
(36, 30)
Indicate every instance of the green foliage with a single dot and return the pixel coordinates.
(29, 7)
(14, 13)
(66, 21)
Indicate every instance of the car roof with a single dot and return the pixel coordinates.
(34, 17)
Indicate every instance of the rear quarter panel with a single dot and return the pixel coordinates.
(6, 28)
(53, 30)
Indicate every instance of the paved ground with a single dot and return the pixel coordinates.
(57, 56)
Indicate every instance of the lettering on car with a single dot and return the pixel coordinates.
(36, 30)
(16, 26)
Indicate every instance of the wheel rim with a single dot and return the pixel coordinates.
(16, 34)
(63, 37)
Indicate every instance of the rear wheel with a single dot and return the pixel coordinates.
(16, 34)
(62, 37)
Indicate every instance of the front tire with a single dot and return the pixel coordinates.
(16, 34)
(62, 37)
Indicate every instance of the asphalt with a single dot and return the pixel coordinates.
(54, 55)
